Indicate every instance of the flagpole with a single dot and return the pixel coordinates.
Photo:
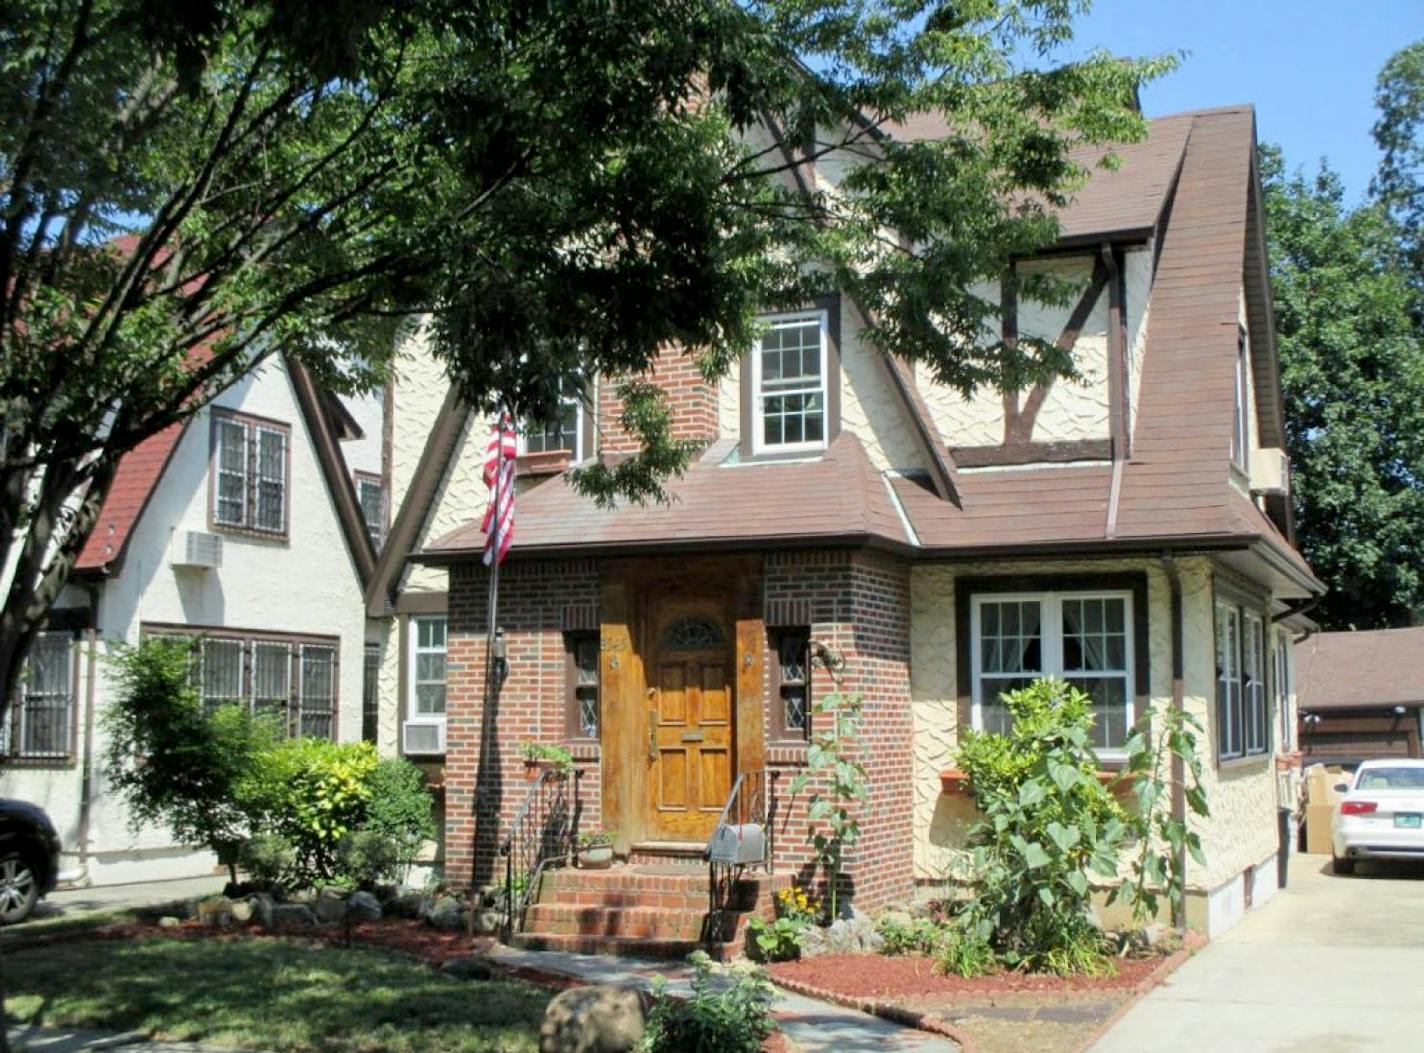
(484, 780)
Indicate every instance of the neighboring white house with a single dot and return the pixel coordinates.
(242, 526)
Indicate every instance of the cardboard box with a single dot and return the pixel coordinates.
(1317, 828)
(1320, 783)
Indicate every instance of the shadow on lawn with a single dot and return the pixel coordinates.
(280, 995)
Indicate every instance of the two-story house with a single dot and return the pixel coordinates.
(1129, 531)
(241, 527)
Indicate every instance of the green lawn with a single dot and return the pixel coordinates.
(270, 994)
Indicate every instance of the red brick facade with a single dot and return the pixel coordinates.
(857, 603)
(692, 400)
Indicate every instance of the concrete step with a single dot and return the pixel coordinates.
(622, 946)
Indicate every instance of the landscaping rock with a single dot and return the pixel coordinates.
(362, 906)
(290, 916)
(490, 895)
(242, 911)
(329, 909)
(168, 921)
(488, 922)
(468, 968)
(386, 893)
(598, 1019)
(406, 905)
(853, 935)
(448, 919)
(216, 911)
(261, 905)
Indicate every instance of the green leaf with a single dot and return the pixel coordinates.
(1034, 856)
(1078, 881)
(1063, 837)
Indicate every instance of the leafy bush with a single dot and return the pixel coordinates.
(270, 860)
(312, 793)
(911, 936)
(782, 938)
(366, 857)
(173, 763)
(736, 1019)
(1048, 822)
(400, 810)
(960, 950)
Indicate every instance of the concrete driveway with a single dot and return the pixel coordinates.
(1330, 965)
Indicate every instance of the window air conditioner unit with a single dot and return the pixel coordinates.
(422, 737)
(196, 548)
(1270, 471)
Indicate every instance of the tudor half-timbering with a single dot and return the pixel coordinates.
(1128, 531)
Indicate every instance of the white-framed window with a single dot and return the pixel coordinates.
(249, 464)
(371, 496)
(1283, 691)
(1241, 420)
(563, 433)
(427, 667)
(1083, 637)
(1243, 723)
(789, 383)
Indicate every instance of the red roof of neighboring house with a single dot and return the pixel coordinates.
(1381, 667)
(138, 474)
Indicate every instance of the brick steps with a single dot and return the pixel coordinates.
(645, 910)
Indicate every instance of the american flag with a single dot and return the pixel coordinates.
(498, 523)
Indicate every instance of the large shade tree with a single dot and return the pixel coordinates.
(187, 188)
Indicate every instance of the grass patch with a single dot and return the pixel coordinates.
(270, 994)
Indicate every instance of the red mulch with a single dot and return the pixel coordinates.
(879, 976)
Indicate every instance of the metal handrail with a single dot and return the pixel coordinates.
(540, 836)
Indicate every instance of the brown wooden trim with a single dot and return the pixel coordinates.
(1119, 426)
(339, 484)
(546, 462)
(1033, 453)
(415, 505)
(1135, 582)
(217, 416)
(831, 305)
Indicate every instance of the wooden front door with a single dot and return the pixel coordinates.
(691, 667)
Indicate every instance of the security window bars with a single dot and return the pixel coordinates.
(42, 725)
(584, 716)
(371, 495)
(428, 666)
(789, 374)
(1084, 638)
(792, 716)
(250, 459)
(371, 692)
(291, 679)
(1243, 721)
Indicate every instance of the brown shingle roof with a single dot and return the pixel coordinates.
(838, 497)
(1383, 667)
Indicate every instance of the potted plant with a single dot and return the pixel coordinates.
(595, 849)
(539, 756)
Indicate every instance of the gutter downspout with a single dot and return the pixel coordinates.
(1179, 773)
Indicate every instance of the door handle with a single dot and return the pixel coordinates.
(652, 734)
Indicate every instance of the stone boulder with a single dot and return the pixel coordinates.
(216, 911)
(488, 922)
(261, 906)
(853, 935)
(168, 921)
(598, 1019)
(330, 907)
(362, 906)
(289, 917)
(406, 905)
(449, 919)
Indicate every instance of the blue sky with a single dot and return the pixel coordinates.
(1309, 66)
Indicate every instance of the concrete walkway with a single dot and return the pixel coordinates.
(815, 1026)
(1330, 965)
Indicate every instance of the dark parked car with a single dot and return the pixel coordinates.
(29, 858)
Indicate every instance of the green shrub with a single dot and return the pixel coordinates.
(171, 762)
(960, 950)
(366, 857)
(312, 793)
(1048, 823)
(914, 936)
(270, 860)
(735, 1019)
(401, 810)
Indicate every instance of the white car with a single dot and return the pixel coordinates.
(1381, 815)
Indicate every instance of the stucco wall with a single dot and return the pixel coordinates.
(1073, 409)
(306, 584)
(1242, 796)
(1137, 291)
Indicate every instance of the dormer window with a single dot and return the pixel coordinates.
(563, 434)
(1241, 422)
(789, 384)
